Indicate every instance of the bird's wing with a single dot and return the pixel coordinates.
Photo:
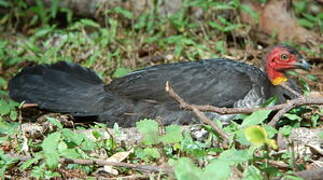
(218, 82)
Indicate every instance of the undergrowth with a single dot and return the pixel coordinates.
(120, 43)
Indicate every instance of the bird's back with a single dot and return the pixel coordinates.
(220, 82)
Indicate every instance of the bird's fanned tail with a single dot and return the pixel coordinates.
(60, 87)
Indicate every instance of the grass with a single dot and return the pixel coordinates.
(115, 45)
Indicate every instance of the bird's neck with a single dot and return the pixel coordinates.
(275, 76)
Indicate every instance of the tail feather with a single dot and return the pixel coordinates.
(60, 87)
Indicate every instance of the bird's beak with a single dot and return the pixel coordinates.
(303, 64)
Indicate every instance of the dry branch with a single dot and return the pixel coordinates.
(311, 174)
(147, 168)
(312, 100)
(196, 111)
(99, 162)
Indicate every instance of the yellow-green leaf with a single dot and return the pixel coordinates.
(257, 135)
(272, 143)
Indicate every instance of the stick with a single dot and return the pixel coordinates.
(148, 168)
(197, 112)
(312, 100)
(284, 85)
(118, 164)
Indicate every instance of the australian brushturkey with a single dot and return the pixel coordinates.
(69, 88)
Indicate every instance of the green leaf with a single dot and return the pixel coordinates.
(218, 169)
(306, 23)
(55, 122)
(290, 177)
(71, 153)
(43, 32)
(121, 72)
(216, 26)
(88, 145)
(149, 129)
(271, 131)
(320, 134)
(52, 160)
(5, 4)
(234, 156)
(257, 135)
(37, 172)
(250, 11)
(50, 145)
(90, 23)
(124, 12)
(252, 173)
(62, 146)
(29, 162)
(286, 130)
(3, 82)
(315, 119)
(255, 118)
(241, 138)
(272, 143)
(186, 170)
(4, 107)
(292, 117)
(312, 77)
(13, 115)
(70, 136)
(152, 152)
(173, 134)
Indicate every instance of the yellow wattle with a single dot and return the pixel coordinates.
(279, 80)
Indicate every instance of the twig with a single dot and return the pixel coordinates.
(118, 164)
(295, 102)
(283, 107)
(135, 176)
(197, 112)
(280, 113)
(311, 174)
(284, 85)
(203, 118)
(278, 164)
(148, 168)
(29, 105)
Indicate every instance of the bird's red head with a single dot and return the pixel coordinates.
(281, 58)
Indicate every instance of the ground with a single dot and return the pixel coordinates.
(115, 40)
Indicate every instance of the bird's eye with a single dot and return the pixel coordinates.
(284, 57)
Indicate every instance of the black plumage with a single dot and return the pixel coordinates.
(69, 88)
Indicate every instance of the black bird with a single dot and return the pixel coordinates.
(69, 88)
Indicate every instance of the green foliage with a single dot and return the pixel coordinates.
(32, 15)
(50, 145)
(307, 19)
(252, 173)
(121, 72)
(5, 162)
(216, 169)
(150, 131)
(257, 135)
(255, 118)
(112, 47)
(8, 108)
(147, 154)
(224, 25)
(173, 134)
(186, 170)
(286, 130)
